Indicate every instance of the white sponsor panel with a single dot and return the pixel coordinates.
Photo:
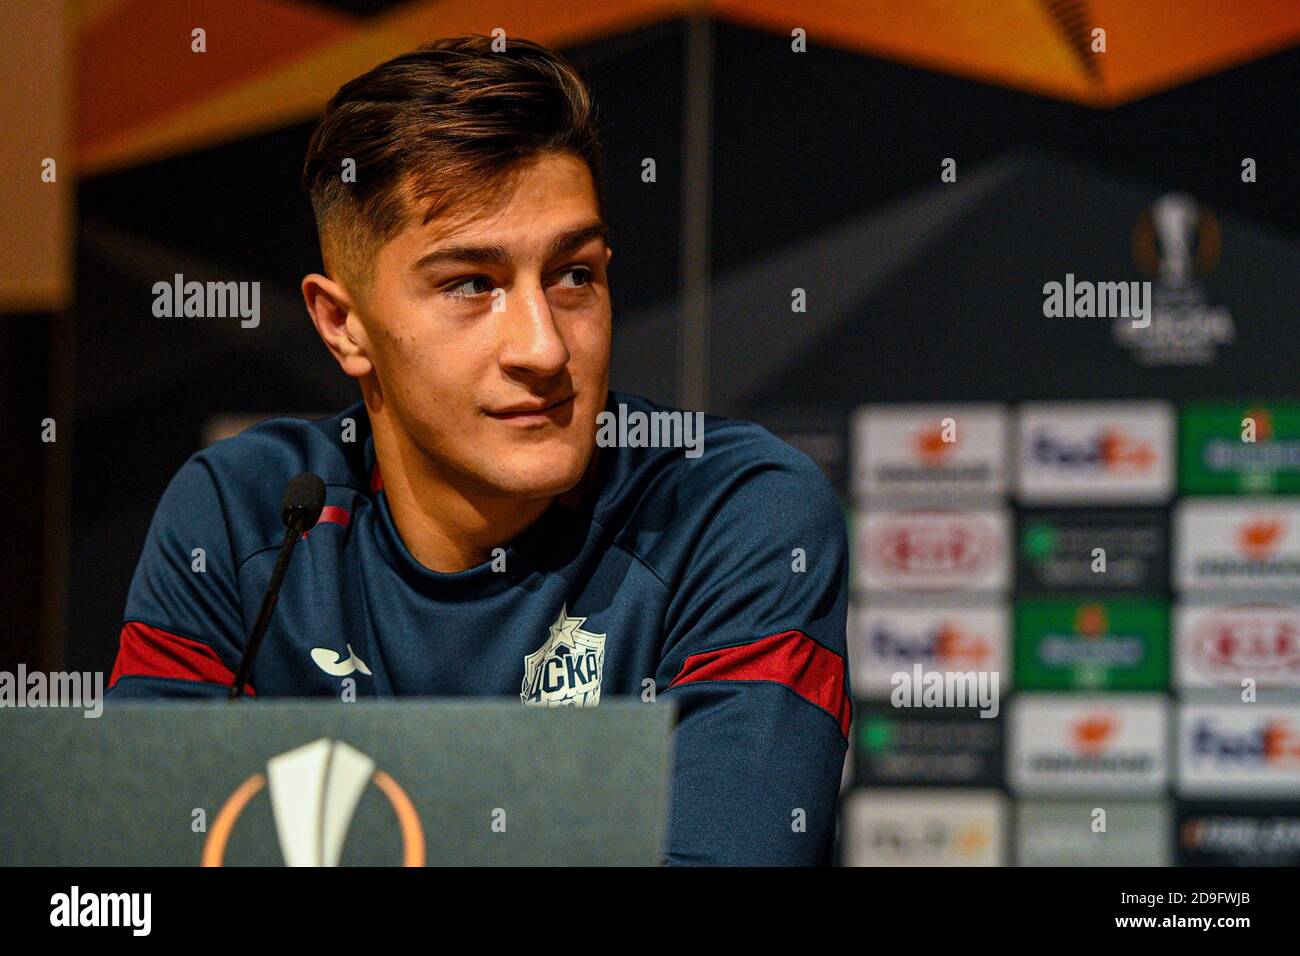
(924, 827)
(932, 550)
(1061, 833)
(1220, 645)
(884, 640)
(1239, 749)
(1102, 452)
(1247, 544)
(1099, 744)
(919, 450)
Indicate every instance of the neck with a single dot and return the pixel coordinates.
(445, 527)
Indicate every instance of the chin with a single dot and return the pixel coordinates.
(541, 473)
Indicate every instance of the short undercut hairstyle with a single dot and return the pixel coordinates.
(442, 130)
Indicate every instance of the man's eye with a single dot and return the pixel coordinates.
(468, 288)
(581, 275)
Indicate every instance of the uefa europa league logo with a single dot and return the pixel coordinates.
(1176, 240)
(314, 794)
(1175, 216)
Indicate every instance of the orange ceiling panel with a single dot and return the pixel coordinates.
(145, 95)
(136, 62)
(1043, 46)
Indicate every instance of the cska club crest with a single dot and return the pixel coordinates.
(565, 671)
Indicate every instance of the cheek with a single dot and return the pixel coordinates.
(590, 344)
(433, 361)
(395, 338)
(406, 363)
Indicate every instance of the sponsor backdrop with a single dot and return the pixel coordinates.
(1130, 571)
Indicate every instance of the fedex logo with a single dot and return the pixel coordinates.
(1095, 451)
(1275, 742)
(947, 645)
(1110, 451)
(884, 640)
(1244, 751)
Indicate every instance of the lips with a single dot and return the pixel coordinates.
(531, 409)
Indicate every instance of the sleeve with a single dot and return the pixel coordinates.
(182, 633)
(755, 661)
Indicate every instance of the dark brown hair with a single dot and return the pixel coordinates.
(439, 130)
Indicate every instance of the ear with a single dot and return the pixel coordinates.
(609, 254)
(334, 313)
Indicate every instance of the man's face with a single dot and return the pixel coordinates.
(490, 338)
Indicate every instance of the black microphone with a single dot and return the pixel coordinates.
(304, 499)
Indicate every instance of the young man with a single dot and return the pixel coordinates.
(478, 539)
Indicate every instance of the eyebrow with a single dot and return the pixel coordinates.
(500, 255)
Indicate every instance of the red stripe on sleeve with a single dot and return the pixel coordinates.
(791, 658)
(332, 514)
(146, 651)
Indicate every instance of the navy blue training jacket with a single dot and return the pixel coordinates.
(719, 582)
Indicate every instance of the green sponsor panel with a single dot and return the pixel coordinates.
(1216, 455)
(1092, 644)
(876, 734)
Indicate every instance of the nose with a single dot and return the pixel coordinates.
(531, 343)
